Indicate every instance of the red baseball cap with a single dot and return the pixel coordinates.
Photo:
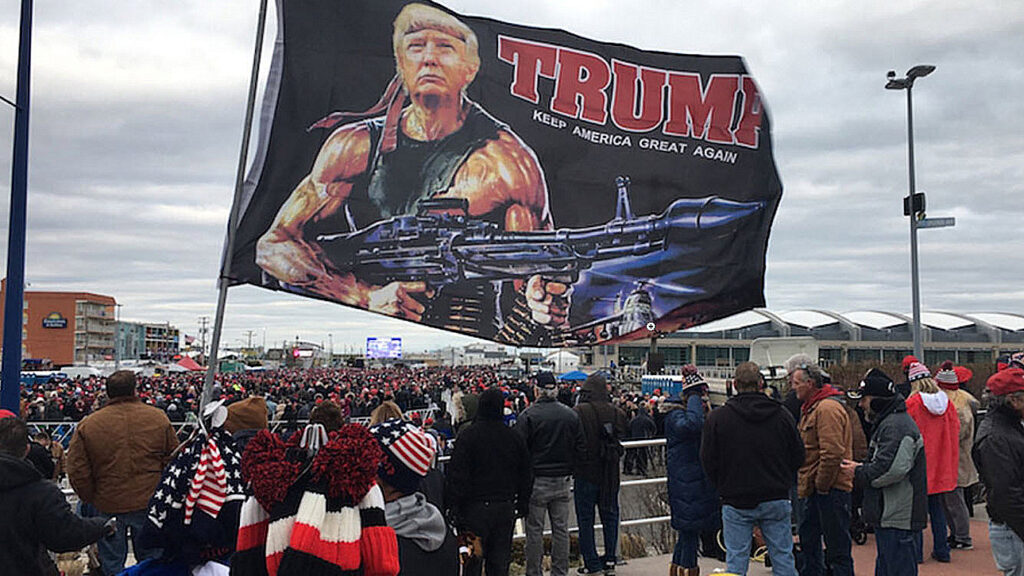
(7, 414)
(1006, 382)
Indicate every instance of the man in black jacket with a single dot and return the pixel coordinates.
(894, 476)
(597, 473)
(751, 451)
(999, 455)
(35, 515)
(554, 438)
(641, 427)
(489, 483)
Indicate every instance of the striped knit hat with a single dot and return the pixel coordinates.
(918, 371)
(410, 453)
(327, 520)
(946, 377)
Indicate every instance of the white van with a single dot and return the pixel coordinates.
(73, 372)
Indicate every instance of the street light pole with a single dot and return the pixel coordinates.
(907, 83)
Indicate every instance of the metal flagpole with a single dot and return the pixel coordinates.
(14, 299)
(225, 272)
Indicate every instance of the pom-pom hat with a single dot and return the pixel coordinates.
(918, 371)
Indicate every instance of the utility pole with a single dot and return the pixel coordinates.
(204, 323)
(248, 335)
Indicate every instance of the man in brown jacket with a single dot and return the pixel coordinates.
(823, 489)
(114, 463)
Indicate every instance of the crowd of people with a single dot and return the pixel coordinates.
(330, 496)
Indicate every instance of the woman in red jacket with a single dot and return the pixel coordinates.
(936, 417)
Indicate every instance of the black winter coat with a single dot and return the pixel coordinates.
(416, 561)
(999, 455)
(751, 450)
(553, 435)
(36, 517)
(490, 463)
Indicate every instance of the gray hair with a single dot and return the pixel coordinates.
(806, 363)
(547, 392)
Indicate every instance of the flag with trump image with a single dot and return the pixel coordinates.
(522, 185)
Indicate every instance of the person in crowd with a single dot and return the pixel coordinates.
(596, 478)
(426, 545)
(56, 453)
(554, 437)
(488, 484)
(36, 517)
(641, 427)
(824, 493)
(950, 378)
(39, 456)
(903, 388)
(691, 496)
(940, 427)
(386, 411)
(893, 475)
(751, 451)
(999, 455)
(114, 463)
(246, 418)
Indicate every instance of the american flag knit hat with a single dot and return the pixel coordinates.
(410, 453)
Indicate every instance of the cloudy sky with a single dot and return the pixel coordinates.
(138, 107)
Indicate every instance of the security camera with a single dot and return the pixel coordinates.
(651, 326)
(891, 74)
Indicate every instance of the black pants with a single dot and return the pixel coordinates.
(493, 523)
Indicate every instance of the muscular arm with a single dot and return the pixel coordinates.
(505, 174)
(283, 251)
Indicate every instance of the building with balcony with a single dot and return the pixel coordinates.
(67, 327)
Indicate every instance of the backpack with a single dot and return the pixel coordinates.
(609, 449)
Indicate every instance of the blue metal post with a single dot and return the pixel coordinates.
(10, 371)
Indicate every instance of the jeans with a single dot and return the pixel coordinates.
(955, 507)
(738, 528)
(685, 552)
(937, 520)
(1007, 549)
(587, 495)
(550, 498)
(113, 549)
(826, 517)
(895, 552)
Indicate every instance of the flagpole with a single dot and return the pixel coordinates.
(225, 273)
(14, 298)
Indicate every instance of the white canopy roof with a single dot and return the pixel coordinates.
(807, 318)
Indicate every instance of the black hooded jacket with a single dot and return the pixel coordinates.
(36, 517)
(999, 455)
(490, 462)
(751, 450)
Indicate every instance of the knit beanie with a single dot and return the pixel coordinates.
(907, 361)
(918, 371)
(692, 378)
(326, 513)
(947, 377)
(410, 453)
(875, 383)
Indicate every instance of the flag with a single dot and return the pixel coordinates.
(588, 192)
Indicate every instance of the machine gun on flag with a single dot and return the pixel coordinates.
(442, 245)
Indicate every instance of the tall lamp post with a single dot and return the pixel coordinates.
(915, 203)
